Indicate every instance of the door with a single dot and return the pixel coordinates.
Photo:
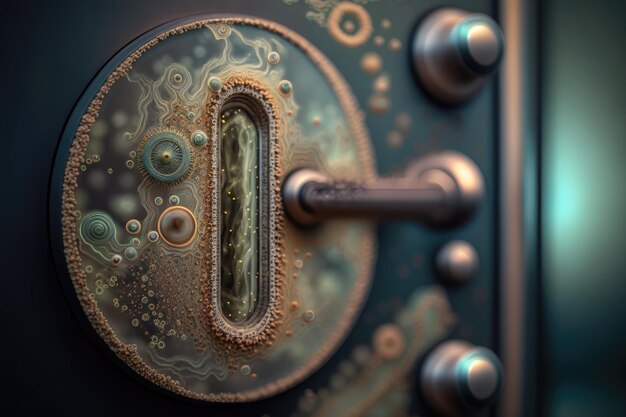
(286, 208)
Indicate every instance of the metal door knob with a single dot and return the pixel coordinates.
(440, 190)
(454, 52)
(458, 378)
(457, 262)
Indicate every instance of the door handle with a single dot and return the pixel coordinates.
(440, 190)
(169, 210)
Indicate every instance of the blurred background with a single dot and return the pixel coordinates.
(580, 291)
(583, 141)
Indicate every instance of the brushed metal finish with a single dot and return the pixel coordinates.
(515, 132)
(454, 52)
(440, 190)
(482, 379)
(458, 378)
(483, 45)
(457, 262)
(291, 191)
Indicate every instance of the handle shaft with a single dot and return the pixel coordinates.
(381, 201)
(441, 190)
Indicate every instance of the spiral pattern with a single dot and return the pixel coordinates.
(215, 83)
(199, 138)
(97, 228)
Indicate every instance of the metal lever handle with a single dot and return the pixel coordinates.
(439, 190)
(383, 200)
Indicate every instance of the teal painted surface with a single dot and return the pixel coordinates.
(73, 53)
(584, 206)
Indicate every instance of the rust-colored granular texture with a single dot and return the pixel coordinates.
(233, 342)
(336, 17)
(128, 353)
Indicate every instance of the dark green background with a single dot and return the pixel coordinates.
(584, 206)
(52, 49)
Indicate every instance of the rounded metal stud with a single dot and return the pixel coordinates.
(458, 378)
(454, 52)
(457, 262)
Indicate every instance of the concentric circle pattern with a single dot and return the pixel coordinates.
(166, 157)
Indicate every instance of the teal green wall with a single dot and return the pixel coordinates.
(584, 206)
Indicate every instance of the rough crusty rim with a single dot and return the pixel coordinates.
(127, 353)
(263, 332)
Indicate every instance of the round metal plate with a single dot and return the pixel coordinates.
(151, 290)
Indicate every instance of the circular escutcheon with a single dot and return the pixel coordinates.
(173, 237)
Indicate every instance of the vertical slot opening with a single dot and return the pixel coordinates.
(244, 206)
